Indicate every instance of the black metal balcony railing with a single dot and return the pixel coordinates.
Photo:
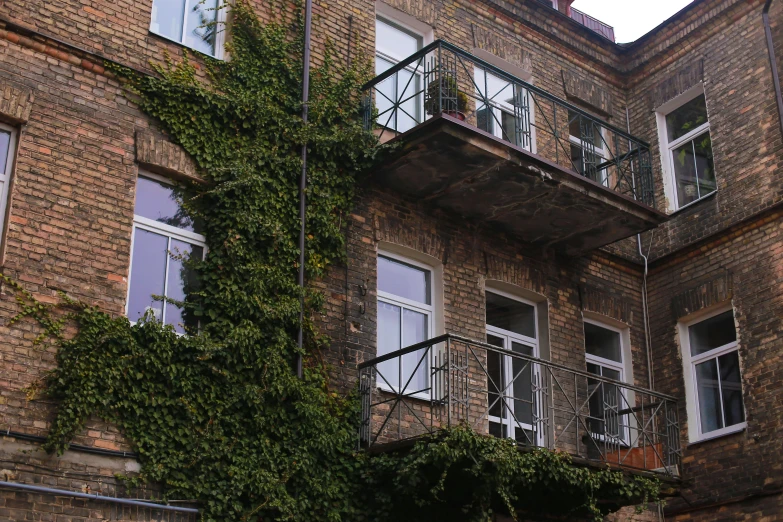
(442, 78)
(450, 380)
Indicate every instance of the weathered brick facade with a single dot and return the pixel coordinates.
(81, 144)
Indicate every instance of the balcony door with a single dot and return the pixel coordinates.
(503, 109)
(399, 99)
(512, 396)
(404, 319)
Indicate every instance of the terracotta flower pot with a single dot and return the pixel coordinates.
(456, 114)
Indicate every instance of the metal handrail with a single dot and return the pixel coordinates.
(496, 71)
(557, 407)
(491, 347)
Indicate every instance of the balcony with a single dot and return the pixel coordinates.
(450, 380)
(490, 147)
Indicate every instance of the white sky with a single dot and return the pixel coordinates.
(630, 18)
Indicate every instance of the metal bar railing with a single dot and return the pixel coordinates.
(442, 78)
(452, 380)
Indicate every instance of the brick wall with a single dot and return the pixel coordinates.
(742, 267)
(81, 144)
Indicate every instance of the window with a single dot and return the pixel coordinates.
(512, 402)
(163, 238)
(588, 147)
(404, 319)
(193, 23)
(7, 149)
(503, 109)
(710, 353)
(399, 98)
(604, 354)
(684, 133)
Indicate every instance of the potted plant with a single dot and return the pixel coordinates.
(455, 102)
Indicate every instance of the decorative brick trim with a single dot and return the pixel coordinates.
(428, 242)
(156, 154)
(502, 48)
(600, 302)
(419, 9)
(515, 273)
(711, 293)
(587, 92)
(677, 83)
(16, 103)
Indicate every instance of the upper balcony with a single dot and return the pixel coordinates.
(490, 147)
(449, 381)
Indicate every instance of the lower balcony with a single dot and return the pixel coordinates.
(476, 141)
(451, 381)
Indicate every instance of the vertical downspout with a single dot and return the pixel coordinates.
(650, 381)
(303, 184)
(773, 64)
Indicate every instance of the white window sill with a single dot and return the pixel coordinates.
(693, 203)
(184, 46)
(731, 430)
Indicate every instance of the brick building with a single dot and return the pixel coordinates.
(605, 212)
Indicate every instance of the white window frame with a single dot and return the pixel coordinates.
(220, 38)
(508, 370)
(410, 25)
(667, 148)
(498, 106)
(624, 367)
(171, 232)
(602, 152)
(415, 306)
(691, 384)
(5, 177)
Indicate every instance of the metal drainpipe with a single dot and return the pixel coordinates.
(95, 496)
(303, 183)
(772, 61)
(644, 281)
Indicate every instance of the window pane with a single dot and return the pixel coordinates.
(496, 381)
(709, 396)
(403, 280)
(395, 42)
(157, 201)
(181, 282)
(167, 18)
(731, 388)
(485, 118)
(603, 343)
(199, 35)
(511, 315)
(584, 129)
(5, 145)
(509, 127)
(712, 333)
(687, 118)
(409, 95)
(385, 95)
(388, 341)
(523, 385)
(685, 173)
(705, 169)
(415, 330)
(148, 274)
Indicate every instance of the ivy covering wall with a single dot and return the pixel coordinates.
(219, 415)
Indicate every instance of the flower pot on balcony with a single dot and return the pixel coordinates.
(445, 91)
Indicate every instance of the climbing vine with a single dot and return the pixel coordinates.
(219, 415)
